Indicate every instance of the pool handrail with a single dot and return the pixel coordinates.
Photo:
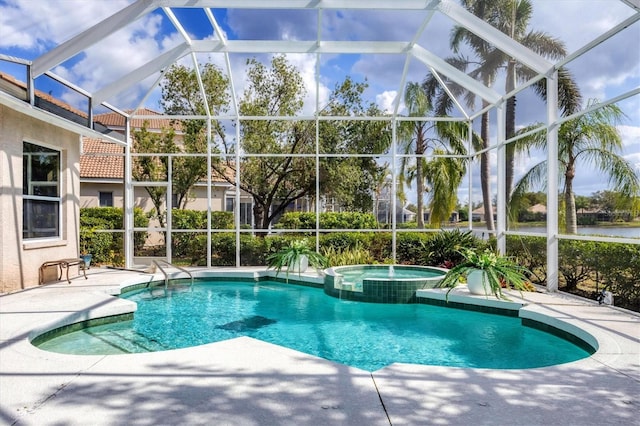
(166, 276)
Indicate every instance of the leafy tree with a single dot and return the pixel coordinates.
(352, 180)
(276, 180)
(277, 166)
(582, 202)
(611, 202)
(592, 140)
(182, 95)
(153, 168)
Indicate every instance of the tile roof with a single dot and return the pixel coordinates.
(111, 165)
(92, 165)
(113, 120)
(101, 166)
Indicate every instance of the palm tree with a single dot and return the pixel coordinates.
(414, 142)
(512, 17)
(444, 105)
(593, 140)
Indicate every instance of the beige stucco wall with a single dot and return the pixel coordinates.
(20, 260)
(89, 196)
(90, 191)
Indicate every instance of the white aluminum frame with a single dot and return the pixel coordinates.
(190, 47)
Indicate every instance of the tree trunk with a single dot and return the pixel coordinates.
(571, 218)
(510, 129)
(485, 172)
(259, 216)
(420, 190)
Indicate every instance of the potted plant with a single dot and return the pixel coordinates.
(486, 272)
(296, 257)
(86, 237)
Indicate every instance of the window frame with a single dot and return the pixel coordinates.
(28, 196)
(110, 198)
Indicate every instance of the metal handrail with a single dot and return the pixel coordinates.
(166, 276)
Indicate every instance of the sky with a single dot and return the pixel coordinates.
(30, 28)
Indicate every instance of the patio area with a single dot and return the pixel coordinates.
(248, 382)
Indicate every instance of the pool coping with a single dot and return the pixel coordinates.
(39, 387)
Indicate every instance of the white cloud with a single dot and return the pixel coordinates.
(386, 99)
(38, 25)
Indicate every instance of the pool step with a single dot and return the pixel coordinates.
(129, 342)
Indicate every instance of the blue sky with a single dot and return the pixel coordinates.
(29, 28)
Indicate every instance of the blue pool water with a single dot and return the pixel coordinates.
(364, 335)
(400, 273)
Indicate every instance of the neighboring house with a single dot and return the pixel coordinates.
(382, 208)
(477, 215)
(538, 209)
(102, 173)
(39, 180)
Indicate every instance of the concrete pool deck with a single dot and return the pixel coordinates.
(248, 382)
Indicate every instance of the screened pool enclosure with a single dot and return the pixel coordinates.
(318, 106)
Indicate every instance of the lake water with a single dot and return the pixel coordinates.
(582, 230)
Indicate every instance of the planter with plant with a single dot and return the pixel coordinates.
(486, 272)
(296, 257)
(86, 238)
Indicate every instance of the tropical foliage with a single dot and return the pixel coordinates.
(419, 142)
(291, 255)
(498, 270)
(512, 17)
(593, 142)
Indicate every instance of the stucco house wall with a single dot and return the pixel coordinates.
(20, 260)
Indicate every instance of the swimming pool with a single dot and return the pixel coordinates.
(362, 335)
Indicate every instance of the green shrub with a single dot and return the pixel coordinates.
(530, 252)
(444, 248)
(223, 249)
(410, 247)
(613, 266)
(381, 247)
(108, 247)
(348, 256)
(253, 251)
(617, 267)
(190, 244)
(328, 220)
(221, 220)
(576, 262)
(345, 240)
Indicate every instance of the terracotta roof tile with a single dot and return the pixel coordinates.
(95, 166)
(114, 120)
(101, 166)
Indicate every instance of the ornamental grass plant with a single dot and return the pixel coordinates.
(498, 271)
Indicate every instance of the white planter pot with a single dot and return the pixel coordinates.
(477, 283)
(301, 265)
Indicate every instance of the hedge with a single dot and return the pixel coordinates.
(108, 247)
(328, 220)
(611, 266)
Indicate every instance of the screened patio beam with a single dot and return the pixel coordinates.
(455, 74)
(293, 46)
(159, 63)
(305, 4)
(495, 37)
(91, 36)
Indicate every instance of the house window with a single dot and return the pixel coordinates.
(106, 199)
(245, 210)
(41, 200)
